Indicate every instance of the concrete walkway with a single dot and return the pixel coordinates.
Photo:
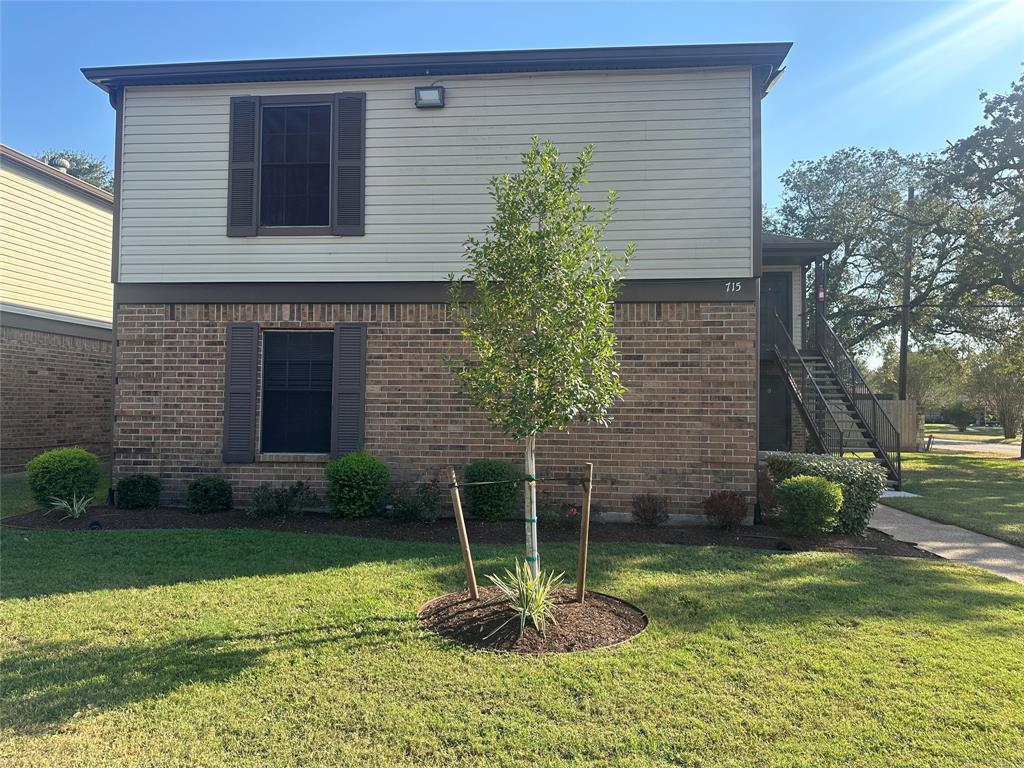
(952, 542)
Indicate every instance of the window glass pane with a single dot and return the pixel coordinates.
(295, 166)
(296, 402)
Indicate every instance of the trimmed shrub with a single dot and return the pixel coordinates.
(862, 483)
(416, 504)
(284, 501)
(725, 509)
(63, 473)
(357, 484)
(498, 500)
(650, 509)
(209, 494)
(810, 505)
(138, 492)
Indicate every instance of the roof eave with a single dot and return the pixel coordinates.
(767, 58)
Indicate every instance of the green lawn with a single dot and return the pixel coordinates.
(981, 493)
(973, 434)
(15, 497)
(250, 648)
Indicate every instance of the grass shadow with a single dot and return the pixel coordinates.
(43, 686)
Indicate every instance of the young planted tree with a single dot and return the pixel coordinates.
(539, 311)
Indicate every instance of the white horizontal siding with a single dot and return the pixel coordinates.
(675, 145)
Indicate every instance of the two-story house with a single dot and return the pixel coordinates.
(55, 311)
(284, 230)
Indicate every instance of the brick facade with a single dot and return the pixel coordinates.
(687, 425)
(55, 390)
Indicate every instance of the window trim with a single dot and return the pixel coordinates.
(299, 100)
(295, 456)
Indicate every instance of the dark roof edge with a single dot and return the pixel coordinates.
(768, 57)
(42, 170)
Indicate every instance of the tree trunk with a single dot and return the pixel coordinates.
(530, 507)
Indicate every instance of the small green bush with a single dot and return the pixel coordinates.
(862, 483)
(208, 494)
(138, 492)
(498, 500)
(810, 505)
(959, 415)
(286, 501)
(416, 504)
(357, 484)
(564, 515)
(63, 473)
(725, 509)
(650, 509)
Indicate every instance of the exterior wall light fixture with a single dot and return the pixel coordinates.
(429, 96)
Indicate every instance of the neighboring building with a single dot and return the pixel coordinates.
(55, 311)
(285, 229)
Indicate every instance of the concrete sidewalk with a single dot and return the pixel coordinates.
(952, 542)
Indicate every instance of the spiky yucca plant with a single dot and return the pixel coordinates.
(528, 596)
(74, 508)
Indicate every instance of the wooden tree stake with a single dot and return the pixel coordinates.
(467, 558)
(581, 577)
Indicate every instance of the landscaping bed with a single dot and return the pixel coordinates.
(601, 621)
(768, 536)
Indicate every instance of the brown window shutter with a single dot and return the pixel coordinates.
(243, 165)
(240, 388)
(349, 171)
(348, 417)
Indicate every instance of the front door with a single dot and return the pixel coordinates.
(776, 299)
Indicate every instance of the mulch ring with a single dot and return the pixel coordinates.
(768, 536)
(600, 621)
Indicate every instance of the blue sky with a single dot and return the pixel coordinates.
(878, 74)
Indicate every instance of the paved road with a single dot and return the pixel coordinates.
(1011, 450)
(952, 542)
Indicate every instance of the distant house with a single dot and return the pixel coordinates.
(56, 304)
(285, 228)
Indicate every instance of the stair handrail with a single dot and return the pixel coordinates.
(888, 437)
(834, 444)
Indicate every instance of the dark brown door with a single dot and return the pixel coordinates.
(776, 299)
(773, 412)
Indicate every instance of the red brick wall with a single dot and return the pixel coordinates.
(685, 427)
(54, 391)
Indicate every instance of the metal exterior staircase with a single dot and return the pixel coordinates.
(841, 413)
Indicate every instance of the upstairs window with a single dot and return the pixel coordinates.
(295, 164)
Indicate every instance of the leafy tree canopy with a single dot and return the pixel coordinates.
(540, 316)
(84, 166)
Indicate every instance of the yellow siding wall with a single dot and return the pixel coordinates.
(54, 248)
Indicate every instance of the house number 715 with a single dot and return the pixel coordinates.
(733, 287)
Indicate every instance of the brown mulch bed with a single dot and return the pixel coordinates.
(600, 621)
(768, 536)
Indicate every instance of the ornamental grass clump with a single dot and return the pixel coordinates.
(74, 508)
(529, 597)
